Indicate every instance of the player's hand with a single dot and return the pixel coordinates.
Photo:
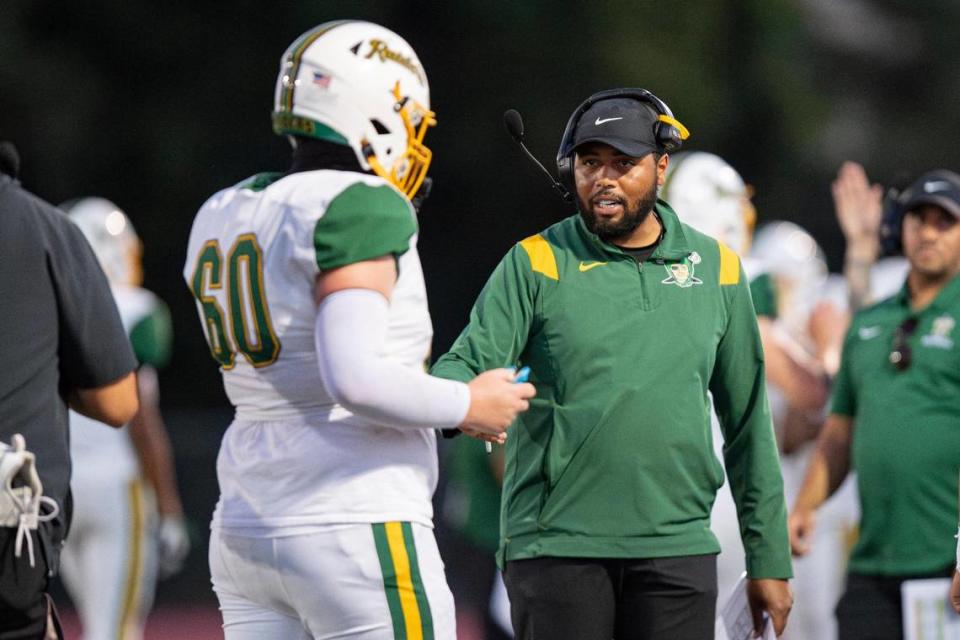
(858, 206)
(772, 597)
(495, 401)
(801, 524)
(173, 545)
(500, 438)
(955, 591)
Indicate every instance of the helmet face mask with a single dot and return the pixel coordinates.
(709, 195)
(410, 168)
(359, 84)
(112, 237)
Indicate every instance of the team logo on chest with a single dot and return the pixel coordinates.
(940, 331)
(682, 273)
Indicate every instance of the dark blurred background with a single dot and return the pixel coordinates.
(157, 105)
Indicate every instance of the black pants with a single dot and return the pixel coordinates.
(870, 608)
(23, 601)
(599, 599)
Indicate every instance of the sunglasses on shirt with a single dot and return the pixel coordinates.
(901, 355)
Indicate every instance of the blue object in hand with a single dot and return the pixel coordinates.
(522, 376)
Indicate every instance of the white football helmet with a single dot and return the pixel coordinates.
(112, 236)
(797, 264)
(710, 196)
(359, 84)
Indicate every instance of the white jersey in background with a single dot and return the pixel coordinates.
(293, 460)
(96, 449)
(109, 561)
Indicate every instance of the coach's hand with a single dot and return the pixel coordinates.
(495, 401)
(773, 597)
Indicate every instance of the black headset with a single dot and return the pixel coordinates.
(891, 222)
(668, 131)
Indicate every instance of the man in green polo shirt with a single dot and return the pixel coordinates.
(894, 418)
(627, 318)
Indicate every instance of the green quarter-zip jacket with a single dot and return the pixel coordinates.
(614, 458)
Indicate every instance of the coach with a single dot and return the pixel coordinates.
(894, 418)
(62, 343)
(627, 319)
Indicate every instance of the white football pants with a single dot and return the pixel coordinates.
(366, 582)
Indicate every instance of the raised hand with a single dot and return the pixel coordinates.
(858, 206)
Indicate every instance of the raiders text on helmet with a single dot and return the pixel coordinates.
(359, 84)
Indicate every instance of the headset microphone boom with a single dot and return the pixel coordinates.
(514, 124)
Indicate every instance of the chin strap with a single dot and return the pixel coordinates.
(422, 194)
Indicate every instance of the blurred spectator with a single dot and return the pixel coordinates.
(893, 419)
(64, 344)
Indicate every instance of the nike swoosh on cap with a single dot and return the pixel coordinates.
(599, 121)
(586, 266)
(936, 185)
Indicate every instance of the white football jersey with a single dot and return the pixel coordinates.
(96, 449)
(293, 458)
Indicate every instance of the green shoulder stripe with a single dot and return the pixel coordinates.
(261, 181)
(152, 337)
(764, 295)
(363, 223)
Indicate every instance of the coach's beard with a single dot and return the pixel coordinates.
(608, 230)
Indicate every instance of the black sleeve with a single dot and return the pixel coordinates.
(94, 349)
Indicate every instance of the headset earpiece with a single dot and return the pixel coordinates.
(670, 132)
(891, 222)
(565, 173)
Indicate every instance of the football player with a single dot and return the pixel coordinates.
(128, 527)
(312, 298)
(708, 194)
(798, 270)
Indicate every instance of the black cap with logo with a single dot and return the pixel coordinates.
(940, 188)
(623, 123)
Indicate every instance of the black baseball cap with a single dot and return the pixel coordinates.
(623, 123)
(940, 188)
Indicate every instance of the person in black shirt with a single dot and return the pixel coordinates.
(62, 345)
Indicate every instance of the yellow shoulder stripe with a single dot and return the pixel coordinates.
(541, 256)
(729, 265)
